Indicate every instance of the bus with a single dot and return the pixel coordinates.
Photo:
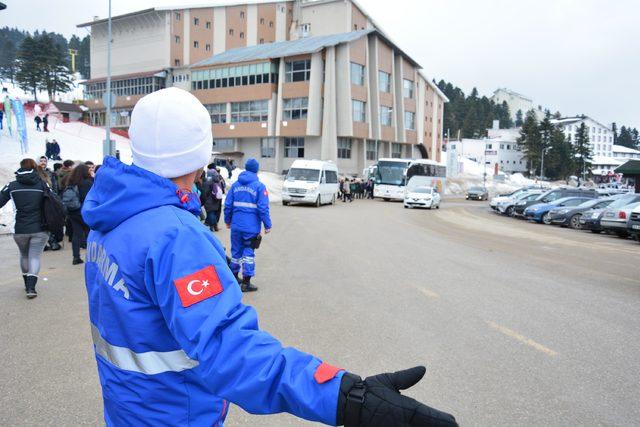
(389, 178)
(392, 175)
(427, 173)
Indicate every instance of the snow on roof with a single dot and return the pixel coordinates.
(568, 120)
(512, 93)
(623, 149)
(282, 49)
(605, 161)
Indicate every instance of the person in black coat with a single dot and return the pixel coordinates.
(27, 194)
(80, 180)
(45, 122)
(38, 120)
(211, 198)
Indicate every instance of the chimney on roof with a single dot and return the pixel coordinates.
(496, 125)
(96, 18)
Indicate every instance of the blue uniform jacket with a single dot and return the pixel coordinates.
(246, 206)
(173, 348)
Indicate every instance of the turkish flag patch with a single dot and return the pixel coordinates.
(198, 286)
(266, 193)
(325, 372)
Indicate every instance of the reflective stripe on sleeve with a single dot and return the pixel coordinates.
(245, 205)
(149, 363)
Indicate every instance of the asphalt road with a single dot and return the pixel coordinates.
(517, 323)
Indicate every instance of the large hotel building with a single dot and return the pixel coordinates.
(281, 80)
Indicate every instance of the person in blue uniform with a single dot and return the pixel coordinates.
(173, 342)
(246, 209)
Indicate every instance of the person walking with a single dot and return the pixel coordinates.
(27, 195)
(45, 123)
(173, 342)
(77, 187)
(346, 190)
(38, 120)
(211, 199)
(246, 210)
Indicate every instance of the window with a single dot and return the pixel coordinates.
(357, 74)
(294, 147)
(176, 62)
(261, 21)
(344, 148)
(409, 120)
(396, 150)
(177, 15)
(241, 15)
(177, 39)
(207, 47)
(407, 88)
(297, 71)
(218, 112)
(270, 24)
(241, 35)
(502, 146)
(331, 177)
(295, 108)
(372, 150)
(241, 75)
(230, 31)
(250, 111)
(305, 29)
(489, 146)
(207, 25)
(385, 115)
(196, 44)
(359, 108)
(261, 41)
(384, 81)
(224, 145)
(196, 21)
(267, 148)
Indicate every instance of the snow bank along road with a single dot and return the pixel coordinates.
(517, 323)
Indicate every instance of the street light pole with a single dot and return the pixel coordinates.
(108, 149)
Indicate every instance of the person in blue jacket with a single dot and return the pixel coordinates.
(246, 209)
(173, 342)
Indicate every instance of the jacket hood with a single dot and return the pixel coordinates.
(121, 191)
(247, 177)
(27, 176)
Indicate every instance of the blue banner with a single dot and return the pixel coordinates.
(21, 125)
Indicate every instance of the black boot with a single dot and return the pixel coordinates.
(31, 286)
(77, 261)
(24, 279)
(246, 285)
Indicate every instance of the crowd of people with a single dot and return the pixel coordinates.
(355, 188)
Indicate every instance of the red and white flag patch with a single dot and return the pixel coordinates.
(198, 286)
(325, 372)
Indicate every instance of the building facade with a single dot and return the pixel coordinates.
(281, 80)
(600, 136)
(516, 102)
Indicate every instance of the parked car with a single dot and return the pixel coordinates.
(592, 220)
(422, 197)
(633, 226)
(507, 204)
(553, 195)
(615, 220)
(477, 193)
(540, 211)
(514, 194)
(568, 216)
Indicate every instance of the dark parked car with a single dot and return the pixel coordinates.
(570, 216)
(591, 219)
(477, 193)
(540, 211)
(552, 195)
(634, 224)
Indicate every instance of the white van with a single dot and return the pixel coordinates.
(311, 181)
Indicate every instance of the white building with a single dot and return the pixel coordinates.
(623, 153)
(600, 136)
(500, 148)
(516, 102)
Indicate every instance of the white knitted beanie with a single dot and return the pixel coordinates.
(170, 133)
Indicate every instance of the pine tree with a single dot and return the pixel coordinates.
(519, 120)
(7, 58)
(529, 140)
(561, 157)
(614, 129)
(29, 74)
(545, 129)
(625, 138)
(83, 60)
(582, 150)
(635, 136)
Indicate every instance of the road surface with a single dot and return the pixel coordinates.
(517, 323)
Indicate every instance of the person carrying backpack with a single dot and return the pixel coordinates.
(29, 234)
(211, 199)
(78, 183)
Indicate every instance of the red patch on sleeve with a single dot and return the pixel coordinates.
(266, 193)
(325, 372)
(198, 286)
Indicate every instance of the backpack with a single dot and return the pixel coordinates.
(71, 198)
(216, 190)
(53, 216)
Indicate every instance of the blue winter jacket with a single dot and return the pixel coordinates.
(246, 206)
(173, 348)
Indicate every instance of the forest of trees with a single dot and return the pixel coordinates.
(626, 136)
(41, 61)
(471, 115)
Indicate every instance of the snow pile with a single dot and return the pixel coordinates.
(78, 141)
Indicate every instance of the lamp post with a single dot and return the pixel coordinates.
(544, 150)
(108, 148)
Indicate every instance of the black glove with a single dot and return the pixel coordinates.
(377, 401)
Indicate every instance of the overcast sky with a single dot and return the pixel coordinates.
(575, 56)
